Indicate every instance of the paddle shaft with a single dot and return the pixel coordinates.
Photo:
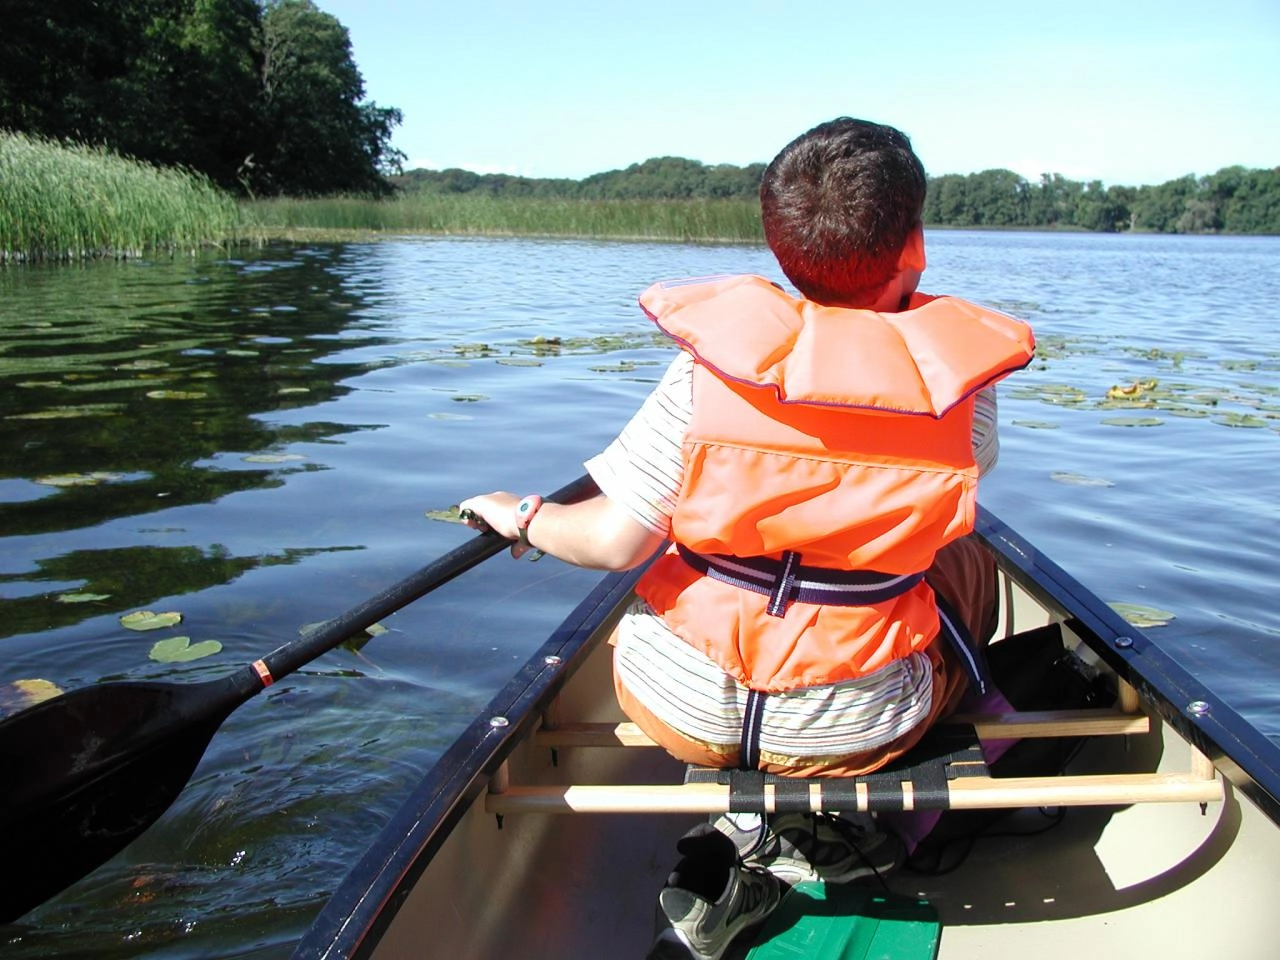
(285, 659)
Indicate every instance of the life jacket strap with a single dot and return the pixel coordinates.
(749, 742)
(787, 581)
(964, 646)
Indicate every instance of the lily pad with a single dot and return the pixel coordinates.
(272, 457)
(1133, 421)
(20, 694)
(1143, 403)
(519, 362)
(448, 514)
(181, 649)
(1141, 616)
(1035, 424)
(79, 479)
(143, 365)
(373, 630)
(70, 412)
(176, 395)
(468, 397)
(1079, 480)
(82, 597)
(1059, 393)
(1247, 420)
(149, 620)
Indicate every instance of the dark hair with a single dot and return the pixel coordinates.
(838, 204)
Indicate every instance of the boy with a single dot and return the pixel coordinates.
(815, 463)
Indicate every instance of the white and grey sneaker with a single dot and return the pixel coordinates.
(799, 847)
(696, 922)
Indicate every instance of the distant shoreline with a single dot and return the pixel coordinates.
(66, 203)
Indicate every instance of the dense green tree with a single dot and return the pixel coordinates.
(269, 100)
(726, 181)
(947, 202)
(1123, 198)
(54, 59)
(1054, 201)
(322, 138)
(1160, 208)
(1254, 206)
(1100, 210)
(659, 178)
(167, 81)
(999, 198)
(194, 88)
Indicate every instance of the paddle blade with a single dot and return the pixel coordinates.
(89, 771)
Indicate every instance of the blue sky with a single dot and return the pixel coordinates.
(1125, 91)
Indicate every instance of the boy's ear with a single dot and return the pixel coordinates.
(912, 256)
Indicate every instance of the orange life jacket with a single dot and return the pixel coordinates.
(841, 435)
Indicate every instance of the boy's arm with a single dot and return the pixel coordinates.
(595, 533)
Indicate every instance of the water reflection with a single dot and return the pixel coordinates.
(142, 387)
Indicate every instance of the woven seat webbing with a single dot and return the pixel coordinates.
(928, 769)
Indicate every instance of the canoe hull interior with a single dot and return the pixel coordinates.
(453, 880)
(548, 885)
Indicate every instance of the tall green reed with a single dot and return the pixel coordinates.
(63, 201)
(684, 220)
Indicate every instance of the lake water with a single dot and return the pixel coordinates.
(255, 441)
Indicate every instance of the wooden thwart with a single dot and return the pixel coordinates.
(964, 793)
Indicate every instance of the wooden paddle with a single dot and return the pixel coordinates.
(85, 773)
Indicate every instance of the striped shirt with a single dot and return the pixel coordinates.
(642, 470)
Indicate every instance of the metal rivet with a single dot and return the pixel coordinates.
(1123, 643)
(1197, 708)
(499, 722)
(551, 661)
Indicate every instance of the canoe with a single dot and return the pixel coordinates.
(1137, 814)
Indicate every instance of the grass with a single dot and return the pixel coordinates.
(65, 201)
(735, 221)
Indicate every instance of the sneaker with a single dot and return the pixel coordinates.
(799, 847)
(695, 927)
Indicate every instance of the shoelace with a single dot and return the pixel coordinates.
(854, 836)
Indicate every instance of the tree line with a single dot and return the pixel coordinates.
(261, 97)
(659, 178)
(1233, 200)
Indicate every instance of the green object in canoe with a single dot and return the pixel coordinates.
(847, 922)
